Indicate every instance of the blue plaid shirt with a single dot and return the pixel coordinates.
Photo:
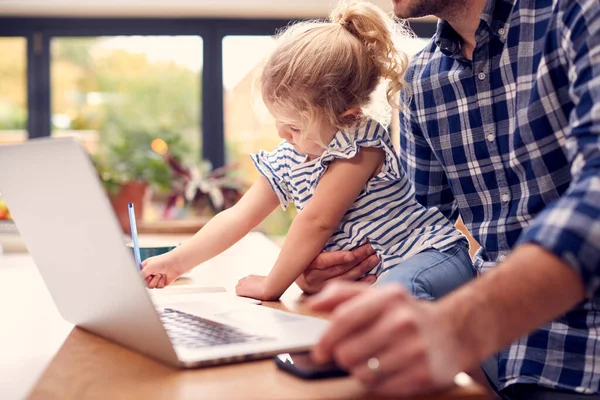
(510, 141)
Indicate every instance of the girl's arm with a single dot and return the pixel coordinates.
(337, 190)
(228, 227)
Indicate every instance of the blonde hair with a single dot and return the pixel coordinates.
(320, 70)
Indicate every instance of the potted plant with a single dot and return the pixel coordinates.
(204, 191)
(127, 168)
(141, 120)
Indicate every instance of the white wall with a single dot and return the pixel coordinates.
(173, 8)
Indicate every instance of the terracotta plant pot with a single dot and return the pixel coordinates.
(130, 192)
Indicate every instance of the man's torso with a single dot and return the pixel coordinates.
(497, 126)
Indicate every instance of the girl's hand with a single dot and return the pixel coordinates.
(252, 286)
(160, 271)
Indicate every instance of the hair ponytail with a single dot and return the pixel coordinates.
(321, 70)
(375, 29)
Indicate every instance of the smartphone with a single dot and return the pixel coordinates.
(301, 365)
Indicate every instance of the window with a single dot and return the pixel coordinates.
(248, 125)
(128, 88)
(146, 86)
(410, 47)
(13, 89)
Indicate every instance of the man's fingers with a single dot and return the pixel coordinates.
(356, 351)
(363, 252)
(334, 294)
(332, 272)
(368, 264)
(361, 269)
(410, 382)
(343, 265)
(370, 279)
(359, 310)
(315, 279)
(394, 330)
(327, 260)
(401, 350)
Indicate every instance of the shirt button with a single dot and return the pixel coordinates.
(501, 31)
(502, 257)
(505, 197)
(481, 76)
(490, 137)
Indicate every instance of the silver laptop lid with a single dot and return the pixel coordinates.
(62, 212)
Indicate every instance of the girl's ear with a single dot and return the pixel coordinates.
(350, 116)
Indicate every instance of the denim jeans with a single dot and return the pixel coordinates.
(431, 274)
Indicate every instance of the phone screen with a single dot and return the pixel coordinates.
(300, 364)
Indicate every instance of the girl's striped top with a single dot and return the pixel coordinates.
(385, 213)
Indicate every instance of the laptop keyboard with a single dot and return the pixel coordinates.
(194, 332)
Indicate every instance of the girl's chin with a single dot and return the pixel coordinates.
(310, 155)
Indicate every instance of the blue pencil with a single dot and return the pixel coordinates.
(134, 236)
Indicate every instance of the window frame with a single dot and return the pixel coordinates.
(39, 33)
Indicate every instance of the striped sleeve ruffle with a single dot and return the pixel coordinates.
(272, 166)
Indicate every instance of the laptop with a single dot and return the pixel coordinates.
(66, 220)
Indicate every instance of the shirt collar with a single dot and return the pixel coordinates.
(446, 39)
(496, 16)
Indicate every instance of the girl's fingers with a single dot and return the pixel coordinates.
(154, 281)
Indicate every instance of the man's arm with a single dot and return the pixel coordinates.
(529, 289)
(422, 345)
(570, 227)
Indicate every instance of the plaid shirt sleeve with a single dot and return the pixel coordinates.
(422, 167)
(570, 227)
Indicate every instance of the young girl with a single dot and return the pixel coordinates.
(335, 164)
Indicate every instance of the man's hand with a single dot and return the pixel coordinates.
(411, 342)
(338, 265)
(420, 346)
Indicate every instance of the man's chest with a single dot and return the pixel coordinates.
(500, 120)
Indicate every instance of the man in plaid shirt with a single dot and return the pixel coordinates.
(503, 129)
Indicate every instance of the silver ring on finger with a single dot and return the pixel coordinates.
(373, 365)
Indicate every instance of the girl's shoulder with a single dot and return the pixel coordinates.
(366, 133)
(288, 154)
(347, 143)
(283, 155)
